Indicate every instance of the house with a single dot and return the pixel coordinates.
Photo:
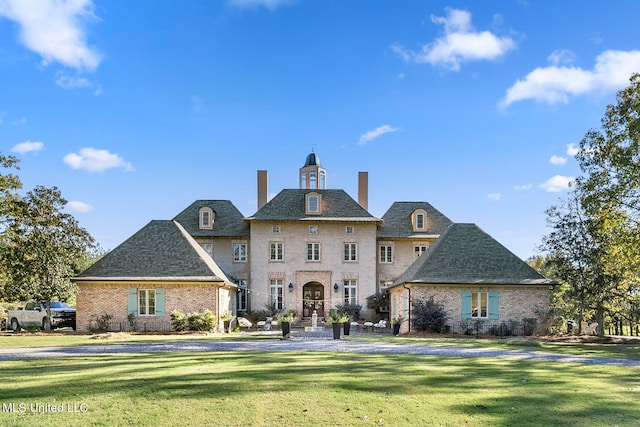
(310, 249)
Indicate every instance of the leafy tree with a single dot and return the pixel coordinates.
(41, 247)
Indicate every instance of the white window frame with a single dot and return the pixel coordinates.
(477, 305)
(385, 254)
(145, 298)
(313, 229)
(350, 252)
(206, 218)
(350, 291)
(312, 203)
(208, 248)
(239, 252)
(419, 249)
(419, 220)
(242, 295)
(313, 251)
(276, 251)
(350, 229)
(275, 229)
(276, 293)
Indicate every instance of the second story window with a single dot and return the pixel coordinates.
(386, 254)
(313, 251)
(276, 251)
(313, 229)
(349, 229)
(350, 252)
(239, 252)
(275, 229)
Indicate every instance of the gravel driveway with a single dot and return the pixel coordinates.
(305, 344)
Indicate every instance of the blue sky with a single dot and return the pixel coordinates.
(134, 109)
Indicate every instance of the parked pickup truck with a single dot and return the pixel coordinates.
(35, 313)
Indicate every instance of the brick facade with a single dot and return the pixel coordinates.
(96, 299)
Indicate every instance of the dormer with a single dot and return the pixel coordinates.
(312, 203)
(206, 218)
(419, 220)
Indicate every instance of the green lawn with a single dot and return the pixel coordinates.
(307, 389)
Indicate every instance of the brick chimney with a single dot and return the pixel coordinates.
(263, 188)
(363, 189)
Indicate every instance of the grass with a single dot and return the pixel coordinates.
(315, 389)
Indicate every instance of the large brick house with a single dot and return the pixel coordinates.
(309, 249)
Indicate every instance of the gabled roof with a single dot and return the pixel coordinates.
(464, 254)
(290, 205)
(162, 251)
(228, 221)
(397, 221)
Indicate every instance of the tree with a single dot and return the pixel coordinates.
(41, 246)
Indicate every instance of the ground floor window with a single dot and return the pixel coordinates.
(242, 296)
(146, 302)
(276, 292)
(350, 292)
(480, 305)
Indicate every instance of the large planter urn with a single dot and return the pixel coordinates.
(286, 330)
(336, 330)
(396, 329)
(347, 328)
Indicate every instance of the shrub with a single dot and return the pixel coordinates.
(351, 310)
(429, 316)
(529, 325)
(193, 321)
(99, 324)
(178, 321)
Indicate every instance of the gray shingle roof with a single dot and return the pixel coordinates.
(397, 221)
(290, 205)
(161, 250)
(228, 219)
(464, 254)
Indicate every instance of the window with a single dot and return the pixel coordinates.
(386, 254)
(239, 252)
(351, 252)
(276, 250)
(349, 229)
(419, 250)
(350, 292)
(146, 302)
(313, 229)
(303, 179)
(419, 220)
(480, 305)
(312, 204)
(323, 180)
(206, 218)
(312, 179)
(242, 295)
(276, 290)
(313, 251)
(208, 248)
(275, 229)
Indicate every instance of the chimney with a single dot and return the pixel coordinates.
(363, 189)
(263, 188)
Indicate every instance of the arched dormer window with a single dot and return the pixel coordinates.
(419, 220)
(207, 216)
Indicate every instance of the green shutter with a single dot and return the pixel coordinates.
(393, 306)
(493, 305)
(160, 304)
(132, 302)
(466, 304)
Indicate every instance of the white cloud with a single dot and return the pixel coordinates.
(27, 146)
(572, 149)
(557, 160)
(252, 4)
(494, 197)
(523, 187)
(561, 56)
(80, 207)
(373, 134)
(93, 160)
(459, 44)
(555, 84)
(54, 30)
(557, 183)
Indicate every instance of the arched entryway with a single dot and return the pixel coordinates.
(313, 299)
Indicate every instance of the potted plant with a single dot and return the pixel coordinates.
(345, 320)
(335, 321)
(285, 320)
(395, 324)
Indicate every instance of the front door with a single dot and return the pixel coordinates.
(313, 299)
